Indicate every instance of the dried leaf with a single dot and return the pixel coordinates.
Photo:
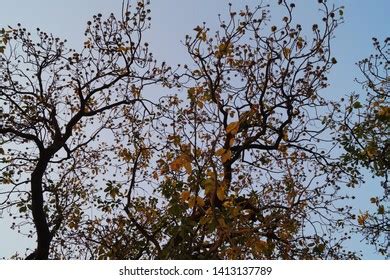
(362, 219)
(300, 43)
(200, 201)
(191, 91)
(221, 193)
(286, 52)
(233, 127)
(182, 161)
(209, 185)
(188, 167)
(191, 202)
(220, 152)
(231, 142)
(226, 156)
(185, 195)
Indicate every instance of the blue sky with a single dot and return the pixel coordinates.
(172, 19)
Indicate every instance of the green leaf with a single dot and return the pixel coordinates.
(357, 105)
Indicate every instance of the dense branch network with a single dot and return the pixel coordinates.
(238, 160)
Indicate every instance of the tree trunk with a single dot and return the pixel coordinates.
(39, 215)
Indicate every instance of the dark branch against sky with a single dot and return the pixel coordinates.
(172, 19)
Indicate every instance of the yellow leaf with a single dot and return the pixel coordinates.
(221, 193)
(209, 186)
(202, 36)
(381, 210)
(300, 43)
(220, 152)
(72, 225)
(185, 195)
(135, 91)
(286, 52)
(231, 142)
(362, 219)
(375, 104)
(282, 148)
(114, 192)
(200, 104)
(155, 175)
(285, 135)
(123, 49)
(224, 48)
(125, 154)
(182, 161)
(191, 202)
(191, 91)
(188, 167)
(175, 139)
(227, 203)
(371, 151)
(233, 127)
(384, 112)
(176, 164)
(200, 201)
(226, 156)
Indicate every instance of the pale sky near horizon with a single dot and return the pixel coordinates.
(173, 19)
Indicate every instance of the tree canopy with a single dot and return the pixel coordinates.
(239, 160)
(367, 139)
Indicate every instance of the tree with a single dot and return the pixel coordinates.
(244, 168)
(3, 39)
(239, 164)
(243, 174)
(57, 104)
(367, 140)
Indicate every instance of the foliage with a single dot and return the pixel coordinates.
(238, 164)
(238, 151)
(58, 104)
(367, 139)
(3, 39)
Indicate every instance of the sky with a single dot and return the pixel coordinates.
(173, 19)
